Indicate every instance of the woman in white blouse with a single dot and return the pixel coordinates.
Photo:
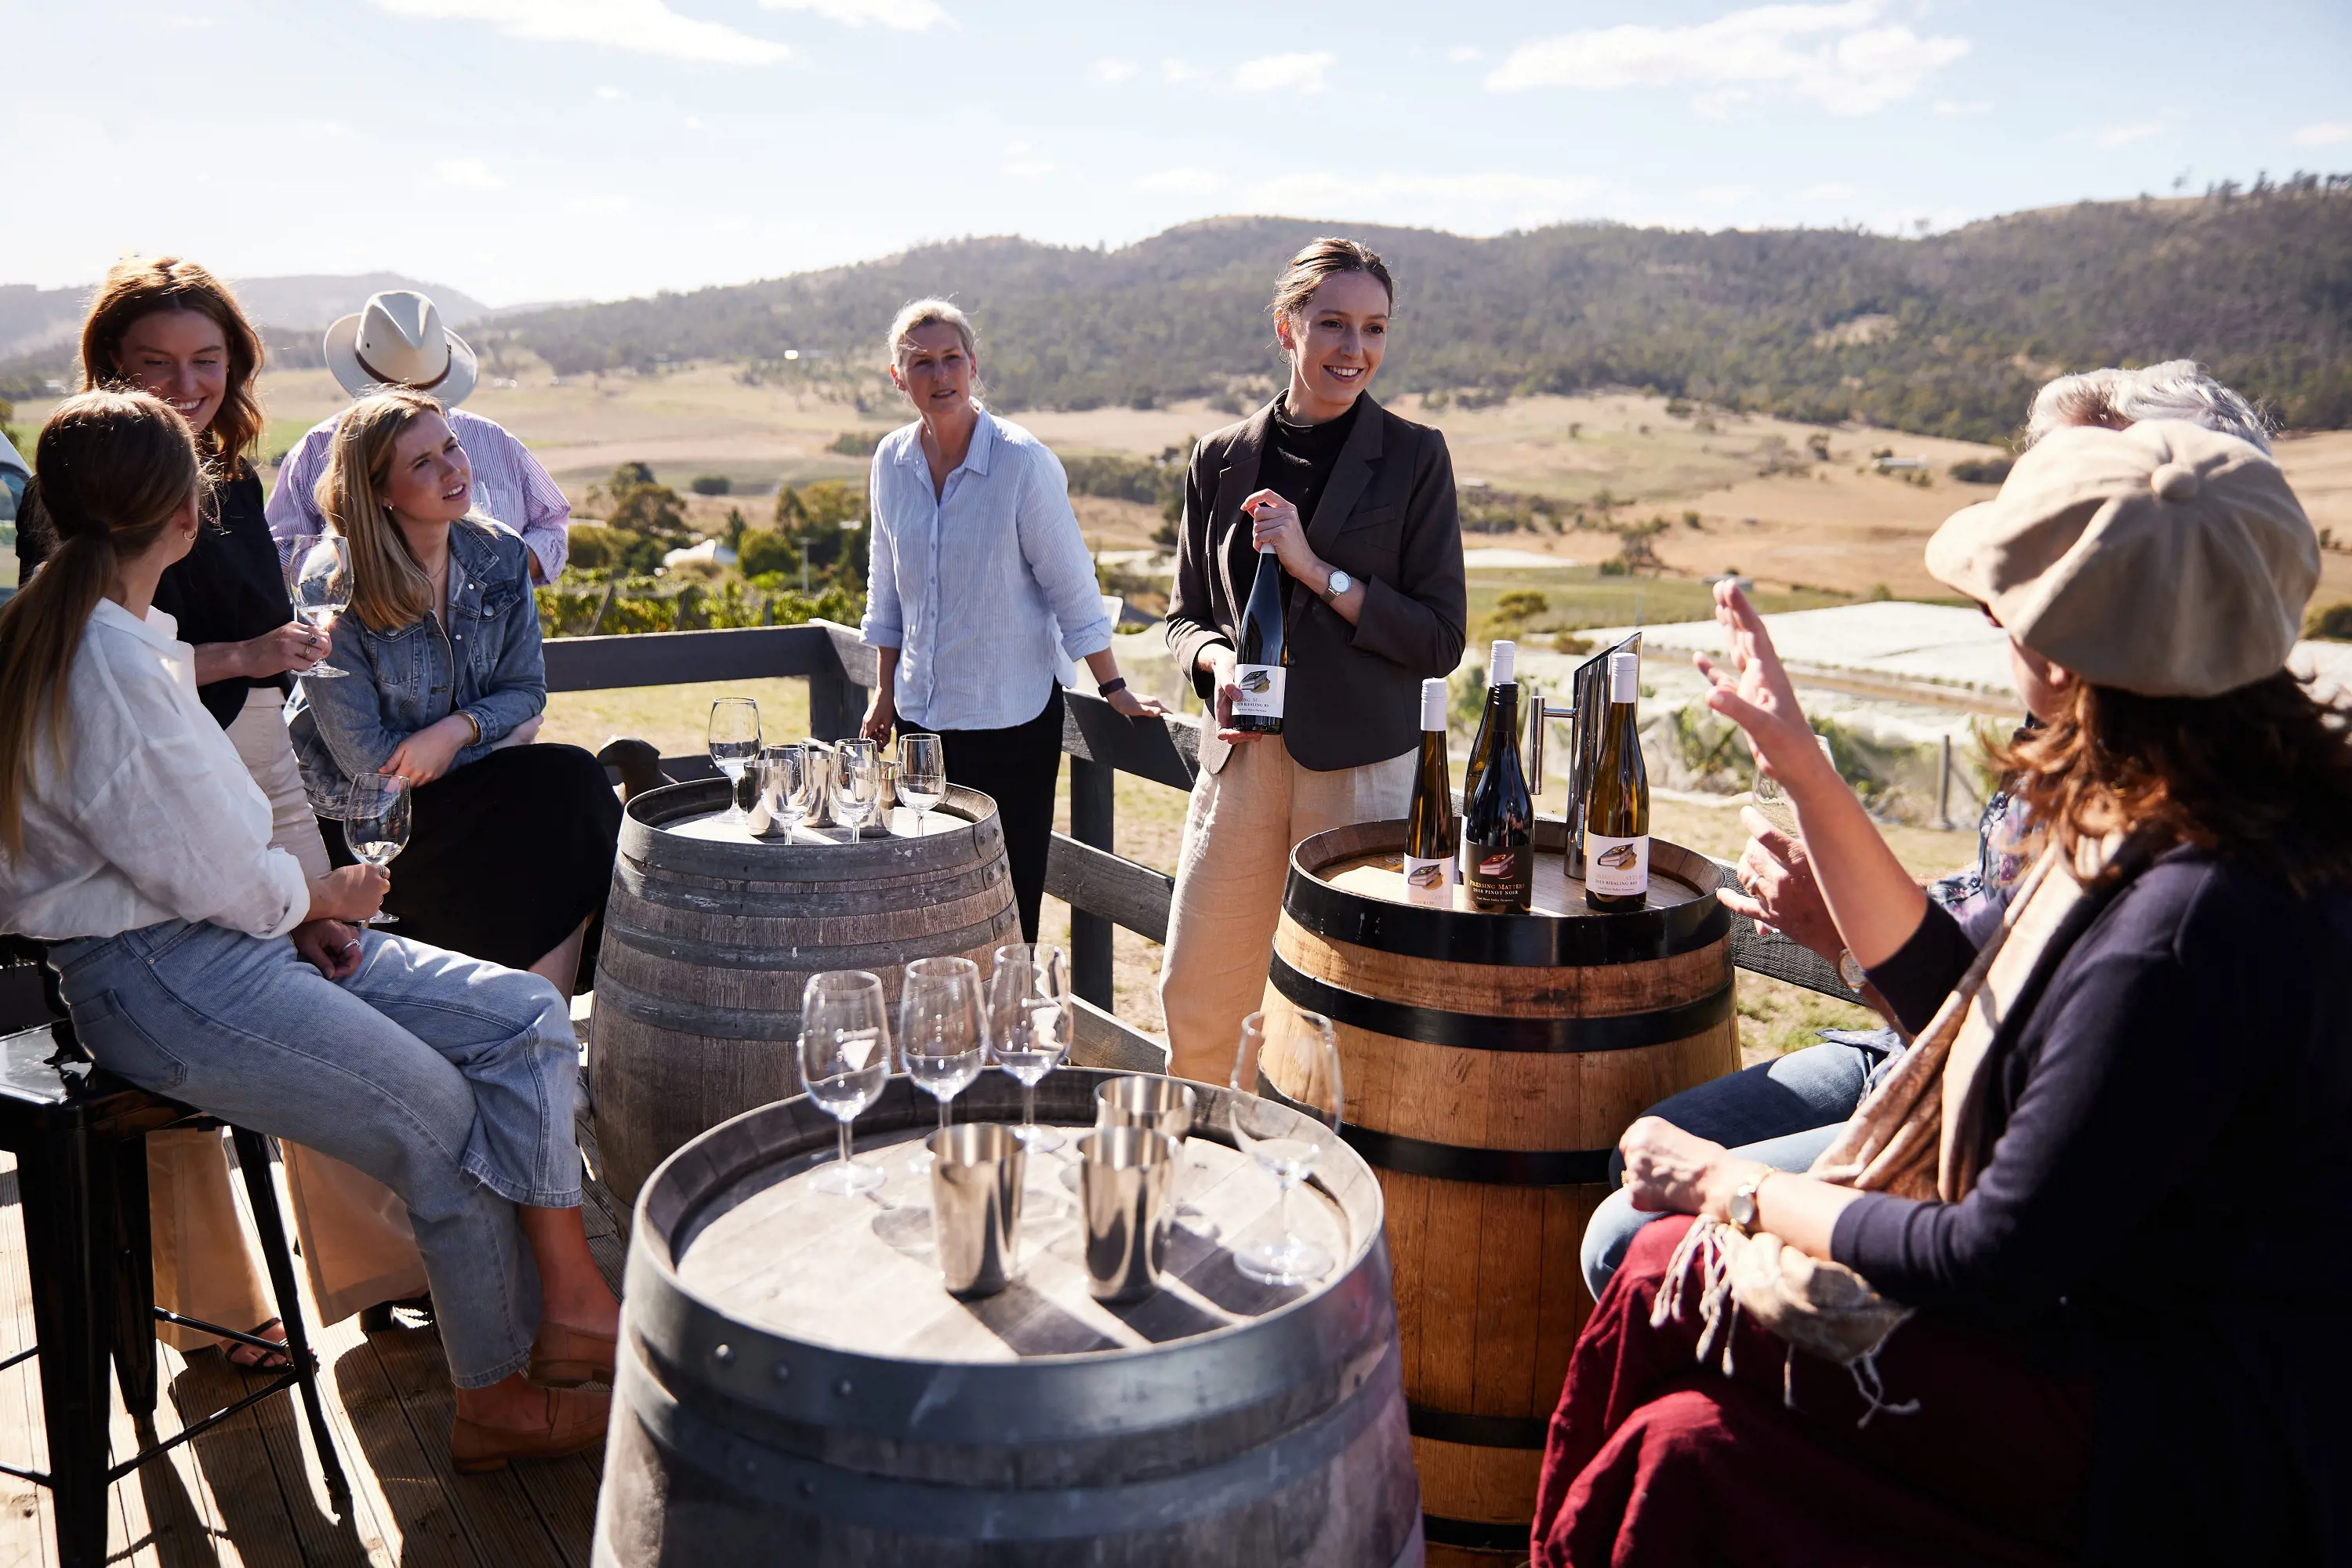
(133, 842)
(979, 592)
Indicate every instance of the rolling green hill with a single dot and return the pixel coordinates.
(1945, 335)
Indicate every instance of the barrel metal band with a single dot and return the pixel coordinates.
(1455, 1163)
(1477, 1431)
(1482, 1032)
(1475, 1534)
(1528, 941)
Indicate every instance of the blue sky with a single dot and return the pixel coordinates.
(554, 149)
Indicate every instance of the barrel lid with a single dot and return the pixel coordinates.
(1330, 893)
(680, 824)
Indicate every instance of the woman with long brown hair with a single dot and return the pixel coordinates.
(167, 326)
(510, 850)
(2067, 1286)
(135, 844)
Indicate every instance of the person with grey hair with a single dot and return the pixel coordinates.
(1785, 1111)
(2115, 399)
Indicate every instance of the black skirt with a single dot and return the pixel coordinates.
(506, 857)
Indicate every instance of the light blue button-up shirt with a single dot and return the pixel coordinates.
(984, 587)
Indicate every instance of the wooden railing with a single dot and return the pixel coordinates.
(1104, 888)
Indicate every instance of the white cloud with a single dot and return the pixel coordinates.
(1021, 162)
(693, 123)
(1724, 196)
(1111, 73)
(1182, 182)
(611, 94)
(1173, 69)
(467, 173)
(597, 205)
(1829, 54)
(1949, 109)
(906, 16)
(643, 26)
(1463, 54)
(2323, 135)
(1830, 192)
(1283, 73)
(2123, 135)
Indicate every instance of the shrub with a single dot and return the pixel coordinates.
(1982, 470)
(711, 485)
(2333, 624)
(857, 443)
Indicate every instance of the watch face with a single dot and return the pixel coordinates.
(1742, 1209)
(1341, 582)
(1850, 971)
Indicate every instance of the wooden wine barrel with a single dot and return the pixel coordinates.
(1491, 1063)
(710, 935)
(795, 1384)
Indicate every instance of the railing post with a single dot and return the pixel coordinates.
(835, 707)
(1090, 935)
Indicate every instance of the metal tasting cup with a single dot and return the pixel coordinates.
(976, 1172)
(1124, 1175)
(1165, 1105)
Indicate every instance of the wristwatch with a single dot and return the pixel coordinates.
(1850, 969)
(1339, 583)
(1741, 1209)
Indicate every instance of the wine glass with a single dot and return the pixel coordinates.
(376, 825)
(942, 1038)
(319, 583)
(789, 778)
(734, 742)
(845, 1049)
(922, 775)
(856, 782)
(1772, 801)
(1029, 1022)
(1303, 1061)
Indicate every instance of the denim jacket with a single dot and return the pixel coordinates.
(486, 662)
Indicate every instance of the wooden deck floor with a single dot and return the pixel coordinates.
(250, 1491)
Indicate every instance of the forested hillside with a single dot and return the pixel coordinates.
(1946, 335)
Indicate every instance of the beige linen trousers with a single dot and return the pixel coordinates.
(357, 1246)
(1244, 819)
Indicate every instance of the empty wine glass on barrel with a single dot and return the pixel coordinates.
(943, 1035)
(789, 780)
(844, 1051)
(857, 784)
(734, 742)
(922, 775)
(1286, 1102)
(1029, 1023)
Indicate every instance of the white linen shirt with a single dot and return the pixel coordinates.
(983, 587)
(152, 816)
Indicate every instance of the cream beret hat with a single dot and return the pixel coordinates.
(2164, 559)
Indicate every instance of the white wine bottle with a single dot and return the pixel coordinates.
(1617, 810)
(1430, 857)
(1262, 663)
(1497, 812)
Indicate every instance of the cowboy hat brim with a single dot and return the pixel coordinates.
(342, 348)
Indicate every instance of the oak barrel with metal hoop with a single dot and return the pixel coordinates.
(1491, 1063)
(711, 935)
(796, 1386)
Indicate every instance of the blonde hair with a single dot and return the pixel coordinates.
(389, 589)
(925, 313)
(115, 467)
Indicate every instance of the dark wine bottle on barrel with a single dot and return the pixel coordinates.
(1262, 663)
(1431, 859)
(1497, 812)
(1617, 811)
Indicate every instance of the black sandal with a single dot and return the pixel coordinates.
(253, 1358)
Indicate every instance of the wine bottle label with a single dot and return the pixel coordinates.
(1261, 686)
(1501, 880)
(1616, 867)
(1429, 881)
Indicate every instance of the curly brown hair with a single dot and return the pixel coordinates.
(2262, 775)
(142, 285)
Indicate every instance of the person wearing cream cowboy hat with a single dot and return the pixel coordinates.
(2082, 1246)
(397, 340)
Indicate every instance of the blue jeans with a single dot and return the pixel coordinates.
(1783, 1112)
(450, 1080)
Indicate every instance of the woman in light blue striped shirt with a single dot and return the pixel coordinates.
(979, 592)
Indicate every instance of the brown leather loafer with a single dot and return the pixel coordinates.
(575, 1422)
(563, 1357)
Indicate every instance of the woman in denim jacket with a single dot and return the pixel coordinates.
(511, 847)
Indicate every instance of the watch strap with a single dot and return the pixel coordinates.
(1115, 683)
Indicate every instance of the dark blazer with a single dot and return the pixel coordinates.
(1387, 518)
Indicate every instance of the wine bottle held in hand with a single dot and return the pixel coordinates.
(1617, 811)
(1497, 811)
(1262, 663)
(1431, 857)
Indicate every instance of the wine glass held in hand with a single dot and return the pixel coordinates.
(1029, 1023)
(319, 583)
(922, 775)
(376, 825)
(1773, 802)
(734, 744)
(943, 1037)
(857, 784)
(844, 1051)
(1301, 1062)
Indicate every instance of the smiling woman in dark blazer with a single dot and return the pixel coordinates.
(1358, 507)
